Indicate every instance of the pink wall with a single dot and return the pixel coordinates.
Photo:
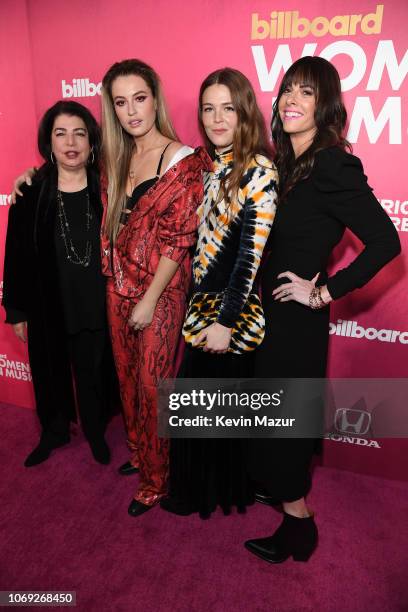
(18, 124)
(44, 44)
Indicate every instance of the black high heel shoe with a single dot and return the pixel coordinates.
(127, 469)
(295, 537)
(176, 506)
(263, 497)
(136, 508)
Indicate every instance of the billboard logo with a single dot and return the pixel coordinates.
(351, 329)
(80, 88)
(288, 24)
(350, 421)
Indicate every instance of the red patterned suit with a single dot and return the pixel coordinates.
(163, 223)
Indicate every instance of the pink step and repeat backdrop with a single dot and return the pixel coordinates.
(57, 49)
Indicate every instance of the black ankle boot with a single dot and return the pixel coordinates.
(296, 537)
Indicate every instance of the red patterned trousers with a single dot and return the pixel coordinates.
(142, 358)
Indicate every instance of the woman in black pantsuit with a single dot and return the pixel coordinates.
(54, 291)
(323, 190)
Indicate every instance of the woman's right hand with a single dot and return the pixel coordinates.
(20, 329)
(217, 338)
(20, 180)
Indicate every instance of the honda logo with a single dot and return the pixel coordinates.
(347, 420)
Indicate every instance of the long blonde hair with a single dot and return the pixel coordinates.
(118, 145)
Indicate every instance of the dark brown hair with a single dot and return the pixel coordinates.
(73, 109)
(330, 118)
(250, 138)
(47, 175)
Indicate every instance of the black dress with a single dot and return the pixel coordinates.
(205, 473)
(308, 225)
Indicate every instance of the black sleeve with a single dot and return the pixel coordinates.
(258, 216)
(346, 195)
(14, 316)
(15, 265)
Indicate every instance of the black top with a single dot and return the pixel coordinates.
(311, 222)
(307, 227)
(40, 285)
(141, 189)
(138, 192)
(82, 287)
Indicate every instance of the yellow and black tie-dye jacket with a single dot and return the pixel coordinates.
(231, 238)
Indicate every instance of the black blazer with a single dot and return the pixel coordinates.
(30, 268)
(31, 292)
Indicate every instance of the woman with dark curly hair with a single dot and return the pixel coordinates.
(54, 291)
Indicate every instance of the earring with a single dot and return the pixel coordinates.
(52, 158)
(92, 161)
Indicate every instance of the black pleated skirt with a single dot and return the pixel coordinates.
(206, 473)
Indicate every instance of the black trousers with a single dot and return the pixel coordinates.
(84, 373)
(87, 352)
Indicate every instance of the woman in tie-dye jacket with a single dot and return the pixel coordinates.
(235, 219)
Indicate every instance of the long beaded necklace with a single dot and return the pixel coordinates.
(72, 254)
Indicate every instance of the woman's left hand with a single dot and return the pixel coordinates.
(298, 289)
(142, 314)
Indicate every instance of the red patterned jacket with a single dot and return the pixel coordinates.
(164, 222)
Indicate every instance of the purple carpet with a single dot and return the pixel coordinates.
(64, 526)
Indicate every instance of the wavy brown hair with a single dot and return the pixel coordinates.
(250, 137)
(118, 145)
(330, 118)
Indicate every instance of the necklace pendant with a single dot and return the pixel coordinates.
(72, 255)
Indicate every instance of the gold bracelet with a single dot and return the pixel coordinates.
(315, 299)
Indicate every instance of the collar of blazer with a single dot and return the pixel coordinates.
(176, 178)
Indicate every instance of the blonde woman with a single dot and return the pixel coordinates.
(154, 188)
